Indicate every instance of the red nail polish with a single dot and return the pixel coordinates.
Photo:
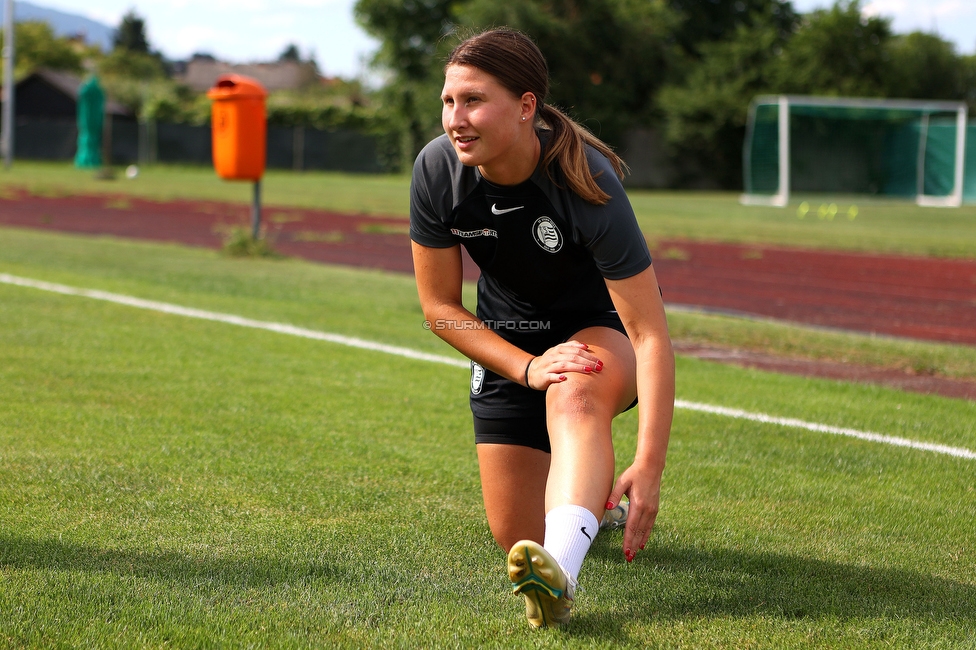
(599, 365)
(562, 377)
(609, 505)
(587, 369)
(642, 547)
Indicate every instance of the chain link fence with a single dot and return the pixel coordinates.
(298, 148)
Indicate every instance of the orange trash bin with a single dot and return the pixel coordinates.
(239, 127)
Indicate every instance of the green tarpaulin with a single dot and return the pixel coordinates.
(91, 113)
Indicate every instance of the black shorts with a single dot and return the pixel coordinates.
(527, 432)
(508, 413)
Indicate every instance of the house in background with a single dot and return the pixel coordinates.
(200, 73)
(53, 95)
(45, 115)
(46, 126)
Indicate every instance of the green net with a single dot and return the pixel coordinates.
(969, 174)
(847, 149)
(762, 151)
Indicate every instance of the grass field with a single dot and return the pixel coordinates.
(167, 481)
(878, 226)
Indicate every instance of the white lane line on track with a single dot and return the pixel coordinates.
(281, 328)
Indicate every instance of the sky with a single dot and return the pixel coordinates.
(953, 20)
(242, 30)
(259, 30)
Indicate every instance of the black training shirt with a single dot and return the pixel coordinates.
(543, 251)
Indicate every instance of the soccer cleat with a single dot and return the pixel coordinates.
(616, 517)
(547, 590)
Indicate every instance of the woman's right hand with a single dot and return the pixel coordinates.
(551, 367)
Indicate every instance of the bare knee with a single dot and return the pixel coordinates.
(573, 399)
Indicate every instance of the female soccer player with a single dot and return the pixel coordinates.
(570, 328)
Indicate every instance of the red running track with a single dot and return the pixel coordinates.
(922, 298)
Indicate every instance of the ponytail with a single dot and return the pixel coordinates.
(567, 148)
(511, 57)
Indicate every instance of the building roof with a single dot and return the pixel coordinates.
(201, 73)
(66, 84)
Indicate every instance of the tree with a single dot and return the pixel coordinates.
(410, 32)
(968, 65)
(923, 66)
(836, 52)
(412, 47)
(706, 112)
(290, 53)
(137, 66)
(131, 34)
(37, 47)
(692, 66)
(709, 21)
(833, 52)
(607, 58)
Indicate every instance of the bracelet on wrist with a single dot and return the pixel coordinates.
(527, 366)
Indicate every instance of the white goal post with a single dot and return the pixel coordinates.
(923, 111)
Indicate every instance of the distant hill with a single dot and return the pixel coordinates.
(65, 24)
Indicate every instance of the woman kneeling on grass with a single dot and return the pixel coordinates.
(570, 327)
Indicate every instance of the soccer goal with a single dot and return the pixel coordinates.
(843, 146)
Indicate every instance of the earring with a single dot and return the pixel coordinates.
(523, 118)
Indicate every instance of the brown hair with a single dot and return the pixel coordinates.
(518, 64)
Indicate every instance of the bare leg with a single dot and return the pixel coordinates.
(513, 482)
(579, 412)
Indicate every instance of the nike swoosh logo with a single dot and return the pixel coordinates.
(583, 530)
(496, 210)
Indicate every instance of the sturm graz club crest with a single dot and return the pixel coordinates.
(477, 378)
(547, 235)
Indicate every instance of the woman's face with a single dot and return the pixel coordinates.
(485, 121)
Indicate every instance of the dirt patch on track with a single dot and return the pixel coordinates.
(921, 298)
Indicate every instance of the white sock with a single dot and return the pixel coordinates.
(569, 532)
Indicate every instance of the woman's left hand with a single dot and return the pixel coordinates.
(642, 485)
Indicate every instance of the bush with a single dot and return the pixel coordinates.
(240, 243)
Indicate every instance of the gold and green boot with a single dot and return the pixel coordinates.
(537, 576)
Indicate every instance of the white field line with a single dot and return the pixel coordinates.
(281, 328)
(958, 452)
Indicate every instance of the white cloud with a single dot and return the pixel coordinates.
(309, 4)
(188, 39)
(913, 12)
(275, 20)
(885, 8)
(953, 20)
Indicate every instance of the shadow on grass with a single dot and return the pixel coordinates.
(665, 583)
(25, 553)
(687, 583)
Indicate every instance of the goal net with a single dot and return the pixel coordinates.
(840, 146)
